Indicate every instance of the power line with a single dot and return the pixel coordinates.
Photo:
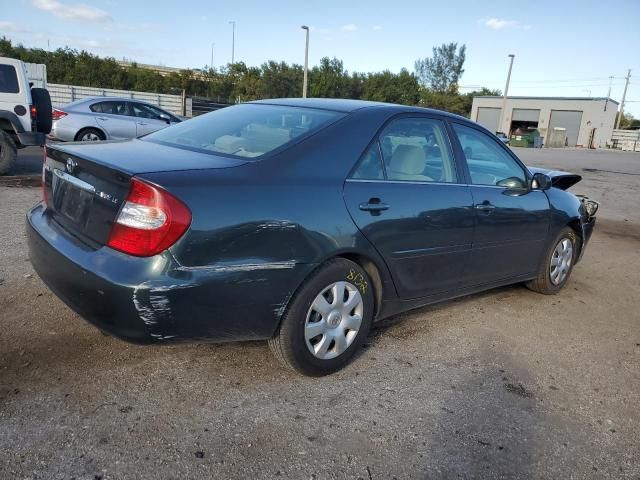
(594, 79)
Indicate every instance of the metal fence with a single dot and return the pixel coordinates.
(64, 94)
(202, 105)
(627, 140)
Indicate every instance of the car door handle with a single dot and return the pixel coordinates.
(104, 119)
(142, 123)
(374, 205)
(485, 207)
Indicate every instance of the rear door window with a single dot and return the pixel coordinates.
(418, 150)
(8, 79)
(110, 108)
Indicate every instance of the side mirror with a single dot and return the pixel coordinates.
(540, 181)
(165, 117)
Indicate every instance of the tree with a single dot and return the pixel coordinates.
(389, 87)
(442, 71)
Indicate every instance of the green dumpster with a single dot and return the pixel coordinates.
(524, 138)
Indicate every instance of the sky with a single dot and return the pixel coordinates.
(562, 48)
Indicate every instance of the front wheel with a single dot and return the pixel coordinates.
(557, 264)
(327, 321)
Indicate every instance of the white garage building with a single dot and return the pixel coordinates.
(587, 121)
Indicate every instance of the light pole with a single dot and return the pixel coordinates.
(233, 41)
(306, 62)
(504, 99)
(212, 47)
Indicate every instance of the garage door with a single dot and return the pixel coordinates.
(525, 115)
(569, 120)
(489, 118)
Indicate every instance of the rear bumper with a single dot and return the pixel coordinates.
(29, 139)
(62, 132)
(151, 300)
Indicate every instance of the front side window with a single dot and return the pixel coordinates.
(247, 130)
(488, 163)
(8, 79)
(417, 149)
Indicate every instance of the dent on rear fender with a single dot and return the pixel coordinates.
(153, 304)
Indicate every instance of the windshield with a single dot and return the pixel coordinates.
(247, 130)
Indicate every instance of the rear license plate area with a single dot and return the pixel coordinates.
(72, 198)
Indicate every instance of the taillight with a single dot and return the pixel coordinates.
(149, 222)
(34, 115)
(58, 114)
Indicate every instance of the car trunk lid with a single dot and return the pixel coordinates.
(85, 185)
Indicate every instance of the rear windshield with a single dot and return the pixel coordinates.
(8, 79)
(247, 130)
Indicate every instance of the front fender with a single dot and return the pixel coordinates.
(568, 209)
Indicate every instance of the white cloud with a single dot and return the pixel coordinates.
(376, 28)
(81, 13)
(12, 27)
(501, 23)
(350, 27)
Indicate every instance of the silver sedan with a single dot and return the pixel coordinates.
(108, 118)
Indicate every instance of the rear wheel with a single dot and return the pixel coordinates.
(89, 135)
(557, 264)
(327, 321)
(8, 153)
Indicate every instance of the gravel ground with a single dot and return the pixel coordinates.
(504, 384)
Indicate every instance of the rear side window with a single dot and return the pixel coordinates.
(370, 166)
(247, 130)
(418, 150)
(111, 108)
(8, 79)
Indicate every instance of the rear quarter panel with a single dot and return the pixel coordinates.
(275, 214)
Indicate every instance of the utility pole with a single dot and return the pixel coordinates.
(306, 63)
(504, 98)
(606, 102)
(233, 41)
(211, 64)
(624, 96)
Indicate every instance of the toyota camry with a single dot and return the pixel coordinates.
(300, 222)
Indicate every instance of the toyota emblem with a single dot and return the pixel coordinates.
(71, 165)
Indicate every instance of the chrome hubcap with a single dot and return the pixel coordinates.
(561, 261)
(333, 320)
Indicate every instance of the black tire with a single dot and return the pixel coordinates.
(289, 344)
(8, 153)
(544, 283)
(42, 101)
(86, 131)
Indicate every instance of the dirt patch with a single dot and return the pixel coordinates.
(618, 228)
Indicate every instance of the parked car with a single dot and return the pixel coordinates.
(503, 137)
(108, 118)
(25, 112)
(298, 221)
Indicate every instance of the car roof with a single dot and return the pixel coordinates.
(349, 105)
(108, 99)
